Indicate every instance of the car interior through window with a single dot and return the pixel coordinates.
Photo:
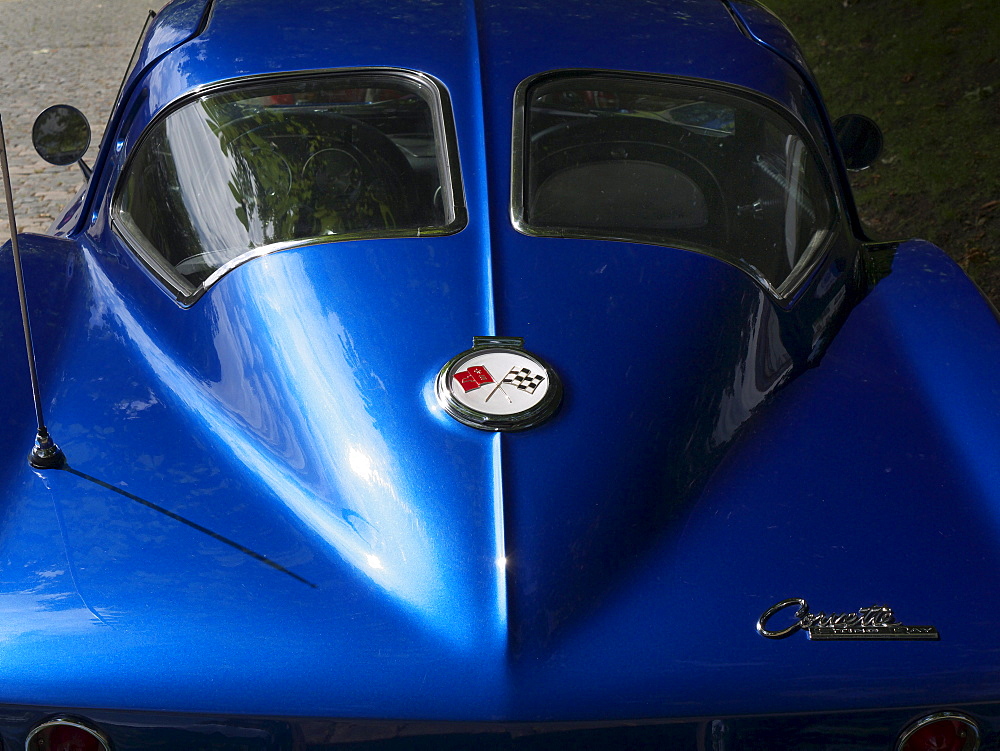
(670, 162)
(243, 171)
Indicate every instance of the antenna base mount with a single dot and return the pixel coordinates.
(45, 454)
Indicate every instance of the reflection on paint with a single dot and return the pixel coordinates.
(338, 476)
(360, 463)
(55, 614)
(45, 600)
(498, 528)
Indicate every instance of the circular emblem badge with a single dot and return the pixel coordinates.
(496, 385)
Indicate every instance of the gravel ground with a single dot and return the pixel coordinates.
(54, 52)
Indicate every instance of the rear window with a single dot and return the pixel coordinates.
(237, 173)
(668, 162)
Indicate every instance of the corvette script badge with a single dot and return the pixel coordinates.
(876, 622)
(497, 385)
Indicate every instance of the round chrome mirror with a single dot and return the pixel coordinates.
(61, 135)
(860, 141)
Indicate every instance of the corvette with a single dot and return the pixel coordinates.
(479, 375)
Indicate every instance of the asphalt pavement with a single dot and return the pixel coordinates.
(59, 52)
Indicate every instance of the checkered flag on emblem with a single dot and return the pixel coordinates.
(521, 378)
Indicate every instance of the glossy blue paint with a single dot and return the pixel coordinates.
(843, 489)
(763, 26)
(346, 492)
(799, 507)
(175, 23)
(265, 513)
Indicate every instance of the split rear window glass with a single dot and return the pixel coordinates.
(655, 160)
(232, 174)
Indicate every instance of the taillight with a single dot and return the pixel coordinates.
(66, 734)
(944, 731)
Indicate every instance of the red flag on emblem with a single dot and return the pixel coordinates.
(473, 378)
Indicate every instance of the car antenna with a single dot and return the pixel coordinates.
(45, 454)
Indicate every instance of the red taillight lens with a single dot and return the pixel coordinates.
(66, 735)
(940, 732)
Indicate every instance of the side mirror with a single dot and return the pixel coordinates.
(860, 141)
(61, 135)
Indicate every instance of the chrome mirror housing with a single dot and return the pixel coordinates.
(61, 135)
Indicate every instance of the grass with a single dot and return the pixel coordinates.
(928, 72)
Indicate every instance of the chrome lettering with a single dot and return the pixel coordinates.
(801, 613)
(875, 622)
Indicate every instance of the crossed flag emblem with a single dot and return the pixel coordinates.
(478, 376)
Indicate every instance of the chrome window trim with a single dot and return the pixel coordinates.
(786, 292)
(446, 142)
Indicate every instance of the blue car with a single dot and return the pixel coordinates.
(482, 375)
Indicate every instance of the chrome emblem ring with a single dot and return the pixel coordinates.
(497, 385)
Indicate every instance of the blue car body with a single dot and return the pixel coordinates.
(269, 534)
